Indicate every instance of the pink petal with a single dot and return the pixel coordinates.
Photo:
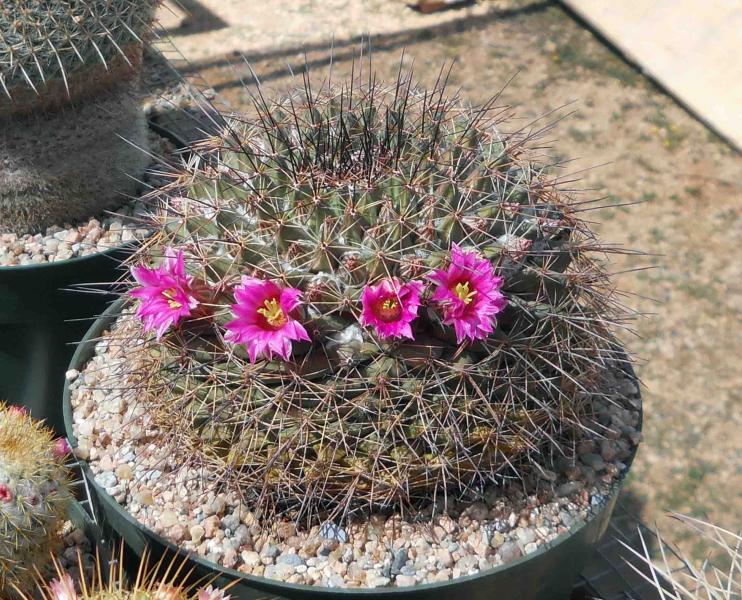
(145, 276)
(64, 588)
(61, 448)
(250, 329)
(211, 593)
(175, 263)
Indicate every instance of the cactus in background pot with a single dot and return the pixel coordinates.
(34, 497)
(113, 585)
(369, 297)
(71, 122)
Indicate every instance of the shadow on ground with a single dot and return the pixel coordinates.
(344, 50)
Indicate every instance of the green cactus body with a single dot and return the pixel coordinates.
(71, 123)
(33, 498)
(330, 193)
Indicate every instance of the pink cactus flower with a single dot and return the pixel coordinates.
(390, 306)
(63, 589)
(6, 494)
(211, 593)
(17, 410)
(469, 295)
(166, 293)
(263, 318)
(61, 448)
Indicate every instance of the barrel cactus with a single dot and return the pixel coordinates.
(368, 297)
(33, 497)
(71, 123)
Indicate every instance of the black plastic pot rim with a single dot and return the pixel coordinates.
(82, 356)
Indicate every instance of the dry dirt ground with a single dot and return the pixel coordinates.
(632, 145)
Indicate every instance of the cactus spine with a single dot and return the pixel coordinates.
(33, 497)
(114, 586)
(333, 196)
(70, 113)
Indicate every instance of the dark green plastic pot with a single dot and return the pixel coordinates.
(549, 573)
(42, 317)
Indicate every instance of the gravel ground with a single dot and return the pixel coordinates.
(628, 143)
(78, 551)
(130, 461)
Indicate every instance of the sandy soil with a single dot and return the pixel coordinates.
(639, 148)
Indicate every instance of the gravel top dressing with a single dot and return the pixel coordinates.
(63, 243)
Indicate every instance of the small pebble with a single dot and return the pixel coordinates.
(510, 551)
(293, 560)
(197, 534)
(73, 241)
(330, 531)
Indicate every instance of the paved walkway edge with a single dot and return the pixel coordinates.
(725, 123)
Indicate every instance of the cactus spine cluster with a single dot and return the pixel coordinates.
(317, 201)
(70, 112)
(33, 497)
(114, 586)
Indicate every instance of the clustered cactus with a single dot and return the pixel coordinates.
(71, 123)
(113, 585)
(34, 497)
(369, 297)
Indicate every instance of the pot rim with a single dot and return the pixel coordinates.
(77, 260)
(83, 354)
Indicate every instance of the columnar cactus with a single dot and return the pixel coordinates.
(70, 115)
(369, 298)
(33, 497)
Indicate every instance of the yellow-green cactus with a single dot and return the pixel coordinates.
(34, 497)
(145, 585)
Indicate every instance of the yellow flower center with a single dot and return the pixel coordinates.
(388, 310)
(389, 304)
(464, 293)
(273, 313)
(169, 295)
